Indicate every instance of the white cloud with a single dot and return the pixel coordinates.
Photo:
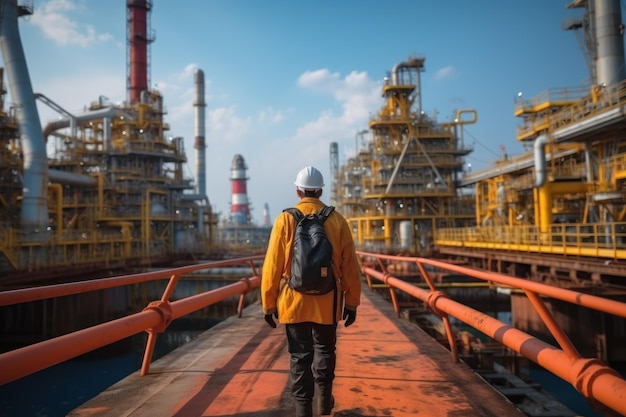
(318, 78)
(224, 124)
(357, 95)
(323, 126)
(445, 72)
(271, 115)
(187, 73)
(355, 85)
(54, 21)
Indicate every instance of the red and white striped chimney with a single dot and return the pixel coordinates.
(239, 208)
(266, 215)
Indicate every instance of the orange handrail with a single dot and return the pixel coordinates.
(153, 319)
(591, 377)
(52, 291)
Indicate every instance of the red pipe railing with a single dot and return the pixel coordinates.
(153, 319)
(591, 377)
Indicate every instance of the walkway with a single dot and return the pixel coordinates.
(385, 367)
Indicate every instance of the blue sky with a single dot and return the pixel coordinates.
(284, 78)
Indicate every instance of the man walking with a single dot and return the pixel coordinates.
(310, 320)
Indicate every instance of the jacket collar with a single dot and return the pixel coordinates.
(313, 200)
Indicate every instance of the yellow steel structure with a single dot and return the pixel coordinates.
(584, 186)
(404, 183)
(121, 198)
(538, 110)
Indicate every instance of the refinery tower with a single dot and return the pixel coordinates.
(100, 189)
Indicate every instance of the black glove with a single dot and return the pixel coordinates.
(270, 320)
(349, 316)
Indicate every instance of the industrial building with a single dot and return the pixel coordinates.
(112, 193)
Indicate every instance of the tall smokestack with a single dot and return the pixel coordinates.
(239, 209)
(200, 144)
(138, 40)
(610, 41)
(334, 171)
(34, 214)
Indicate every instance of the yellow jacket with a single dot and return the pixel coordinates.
(295, 307)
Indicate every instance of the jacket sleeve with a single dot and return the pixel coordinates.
(350, 268)
(273, 266)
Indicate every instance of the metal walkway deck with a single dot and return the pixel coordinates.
(386, 366)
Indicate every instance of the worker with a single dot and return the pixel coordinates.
(311, 320)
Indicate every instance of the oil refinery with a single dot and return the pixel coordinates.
(105, 189)
(555, 214)
(112, 193)
(549, 214)
(537, 239)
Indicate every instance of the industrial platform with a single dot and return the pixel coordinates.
(386, 366)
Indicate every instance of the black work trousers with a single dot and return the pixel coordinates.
(313, 357)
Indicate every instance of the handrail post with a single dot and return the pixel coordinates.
(382, 266)
(241, 304)
(242, 296)
(431, 301)
(451, 338)
(368, 278)
(165, 310)
(253, 268)
(171, 286)
(147, 354)
(556, 331)
(444, 317)
(425, 275)
(394, 300)
(392, 293)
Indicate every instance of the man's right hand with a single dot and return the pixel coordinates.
(349, 316)
(270, 320)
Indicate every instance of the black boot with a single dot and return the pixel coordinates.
(304, 408)
(325, 401)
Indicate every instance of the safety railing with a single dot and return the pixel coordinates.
(591, 377)
(153, 319)
(574, 108)
(599, 240)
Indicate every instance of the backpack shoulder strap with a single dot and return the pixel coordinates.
(325, 212)
(297, 214)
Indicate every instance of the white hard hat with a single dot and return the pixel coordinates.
(309, 178)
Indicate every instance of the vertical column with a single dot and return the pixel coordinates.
(240, 210)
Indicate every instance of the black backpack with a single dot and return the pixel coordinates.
(311, 264)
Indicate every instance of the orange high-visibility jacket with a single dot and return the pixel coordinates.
(295, 307)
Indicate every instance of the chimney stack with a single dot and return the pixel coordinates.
(239, 209)
(200, 143)
(138, 40)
